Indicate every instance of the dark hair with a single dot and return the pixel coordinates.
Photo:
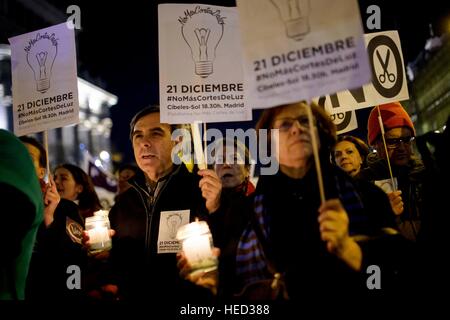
(146, 111)
(360, 145)
(35, 143)
(88, 197)
(326, 127)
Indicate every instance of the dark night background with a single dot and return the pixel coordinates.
(118, 43)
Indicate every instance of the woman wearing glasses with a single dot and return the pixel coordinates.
(296, 246)
(314, 247)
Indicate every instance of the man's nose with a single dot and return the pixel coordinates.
(402, 145)
(146, 141)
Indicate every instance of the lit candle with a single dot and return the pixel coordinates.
(103, 213)
(98, 230)
(197, 246)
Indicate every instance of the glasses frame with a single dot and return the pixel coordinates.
(302, 121)
(393, 143)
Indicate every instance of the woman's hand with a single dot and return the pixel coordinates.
(51, 201)
(333, 222)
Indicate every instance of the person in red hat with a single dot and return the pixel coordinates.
(399, 132)
(408, 170)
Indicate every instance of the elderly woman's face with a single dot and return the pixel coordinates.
(294, 141)
(230, 168)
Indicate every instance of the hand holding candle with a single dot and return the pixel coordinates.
(197, 246)
(97, 228)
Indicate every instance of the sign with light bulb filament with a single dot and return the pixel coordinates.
(197, 45)
(41, 53)
(202, 29)
(169, 223)
(45, 83)
(295, 16)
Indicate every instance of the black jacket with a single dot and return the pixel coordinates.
(227, 226)
(137, 268)
(287, 209)
(410, 180)
(54, 252)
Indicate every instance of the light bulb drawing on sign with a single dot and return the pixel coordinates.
(202, 29)
(41, 53)
(295, 16)
(173, 223)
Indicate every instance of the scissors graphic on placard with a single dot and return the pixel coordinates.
(385, 64)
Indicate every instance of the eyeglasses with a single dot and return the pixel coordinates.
(285, 124)
(393, 143)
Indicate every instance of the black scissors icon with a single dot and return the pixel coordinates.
(385, 64)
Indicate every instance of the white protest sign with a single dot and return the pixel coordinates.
(200, 64)
(44, 79)
(300, 49)
(388, 84)
(387, 185)
(345, 121)
(169, 223)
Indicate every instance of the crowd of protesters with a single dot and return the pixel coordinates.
(315, 226)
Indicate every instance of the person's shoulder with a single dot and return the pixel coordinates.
(376, 168)
(417, 168)
(267, 183)
(129, 195)
(339, 173)
(369, 188)
(67, 204)
(340, 176)
(182, 170)
(66, 208)
(182, 176)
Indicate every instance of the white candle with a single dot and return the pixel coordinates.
(197, 246)
(103, 213)
(98, 230)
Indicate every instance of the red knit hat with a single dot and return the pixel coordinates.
(393, 116)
